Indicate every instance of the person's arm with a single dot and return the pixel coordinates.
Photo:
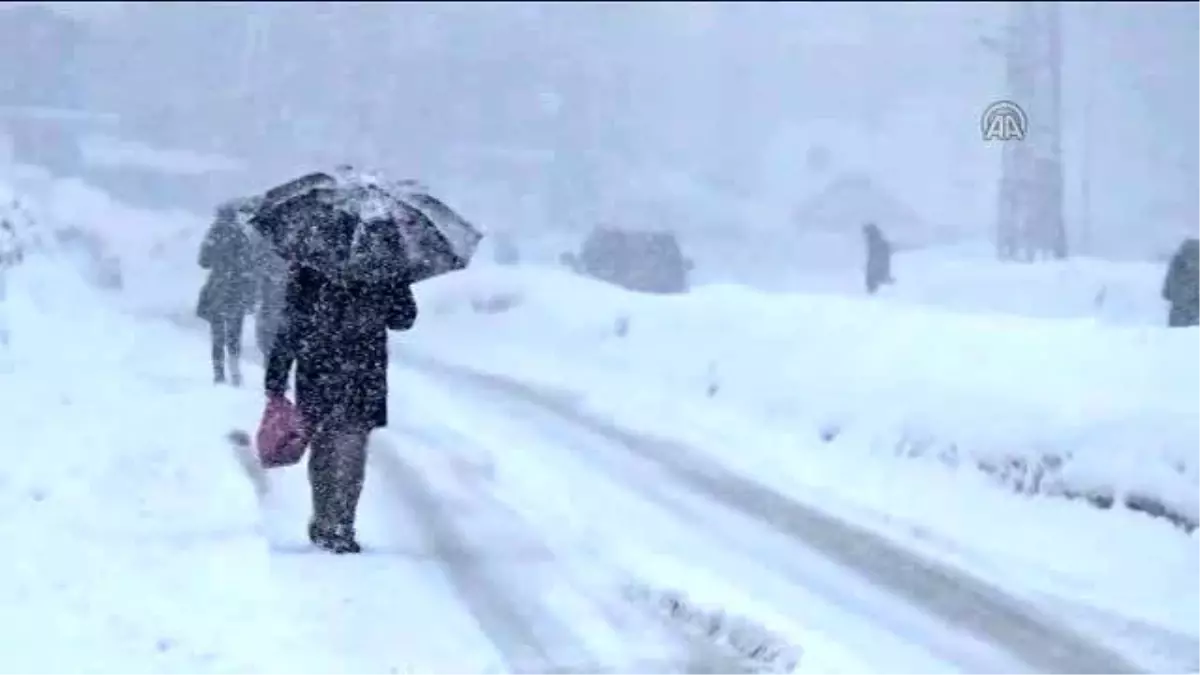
(401, 307)
(206, 251)
(1172, 278)
(285, 346)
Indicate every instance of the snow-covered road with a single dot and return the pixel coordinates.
(591, 489)
(830, 474)
(446, 557)
(519, 533)
(544, 610)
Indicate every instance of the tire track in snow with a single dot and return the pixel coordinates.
(506, 624)
(967, 604)
(509, 597)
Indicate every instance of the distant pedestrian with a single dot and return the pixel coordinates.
(228, 293)
(11, 254)
(879, 258)
(1181, 287)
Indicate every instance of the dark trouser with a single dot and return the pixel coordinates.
(1182, 316)
(226, 337)
(337, 463)
(266, 326)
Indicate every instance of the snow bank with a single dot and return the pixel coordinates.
(970, 279)
(945, 432)
(1064, 407)
(762, 650)
(152, 253)
(132, 538)
(964, 277)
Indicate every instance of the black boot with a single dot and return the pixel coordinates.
(334, 538)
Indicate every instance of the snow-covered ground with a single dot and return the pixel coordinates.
(132, 545)
(877, 410)
(883, 412)
(137, 542)
(963, 278)
(156, 249)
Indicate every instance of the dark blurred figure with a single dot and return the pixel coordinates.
(334, 332)
(648, 261)
(1181, 288)
(228, 293)
(11, 254)
(879, 258)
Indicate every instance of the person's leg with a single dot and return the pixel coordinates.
(350, 469)
(336, 475)
(233, 344)
(262, 335)
(217, 333)
(322, 483)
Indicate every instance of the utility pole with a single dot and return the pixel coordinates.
(1012, 211)
(1030, 211)
(1084, 242)
(1051, 222)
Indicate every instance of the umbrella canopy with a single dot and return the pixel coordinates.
(351, 223)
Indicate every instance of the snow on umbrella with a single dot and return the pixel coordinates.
(351, 223)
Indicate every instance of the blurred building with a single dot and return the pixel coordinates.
(853, 199)
(41, 97)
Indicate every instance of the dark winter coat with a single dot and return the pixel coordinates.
(335, 333)
(879, 258)
(229, 290)
(1181, 287)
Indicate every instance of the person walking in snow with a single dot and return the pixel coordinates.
(879, 258)
(11, 254)
(1181, 287)
(228, 293)
(334, 331)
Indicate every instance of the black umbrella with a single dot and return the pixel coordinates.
(349, 223)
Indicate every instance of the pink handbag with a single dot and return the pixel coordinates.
(282, 437)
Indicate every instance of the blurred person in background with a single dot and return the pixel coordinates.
(229, 292)
(11, 254)
(1181, 287)
(879, 258)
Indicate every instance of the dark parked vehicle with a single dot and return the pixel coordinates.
(640, 260)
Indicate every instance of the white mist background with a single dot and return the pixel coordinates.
(541, 118)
